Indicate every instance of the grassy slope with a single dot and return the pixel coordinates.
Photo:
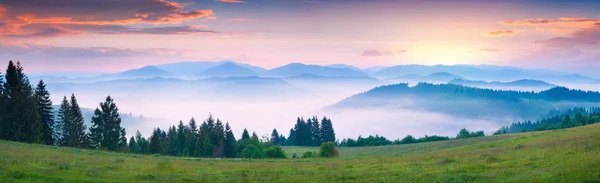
(570, 155)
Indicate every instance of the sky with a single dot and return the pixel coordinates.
(115, 35)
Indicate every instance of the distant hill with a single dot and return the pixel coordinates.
(342, 66)
(435, 77)
(518, 83)
(227, 69)
(471, 102)
(462, 70)
(148, 71)
(311, 78)
(192, 69)
(298, 69)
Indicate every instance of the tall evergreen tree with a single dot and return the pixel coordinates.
(133, 148)
(156, 144)
(229, 148)
(327, 132)
(44, 109)
(191, 136)
(22, 121)
(274, 137)
(315, 131)
(106, 132)
(73, 124)
(245, 135)
(181, 145)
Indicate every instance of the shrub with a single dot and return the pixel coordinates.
(251, 151)
(309, 154)
(275, 152)
(328, 149)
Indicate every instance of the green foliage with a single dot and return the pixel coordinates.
(409, 139)
(106, 131)
(556, 119)
(44, 109)
(73, 127)
(464, 133)
(328, 149)
(311, 132)
(275, 152)
(309, 154)
(21, 120)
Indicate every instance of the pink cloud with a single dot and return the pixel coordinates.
(499, 33)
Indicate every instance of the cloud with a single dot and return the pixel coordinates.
(488, 50)
(48, 51)
(45, 32)
(564, 21)
(231, 1)
(108, 13)
(66, 29)
(586, 36)
(375, 53)
(242, 19)
(499, 33)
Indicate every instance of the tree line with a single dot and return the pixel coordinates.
(409, 139)
(311, 132)
(558, 119)
(27, 115)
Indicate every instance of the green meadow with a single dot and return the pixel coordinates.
(567, 155)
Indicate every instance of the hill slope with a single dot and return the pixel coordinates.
(570, 155)
(471, 102)
(295, 69)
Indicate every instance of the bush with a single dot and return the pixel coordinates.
(251, 151)
(309, 154)
(328, 149)
(275, 152)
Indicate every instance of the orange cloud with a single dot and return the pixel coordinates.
(231, 1)
(565, 21)
(75, 12)
(499, 33)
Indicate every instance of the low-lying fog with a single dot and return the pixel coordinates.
(262, 110)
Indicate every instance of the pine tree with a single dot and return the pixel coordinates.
(181, 145)
(245, 135)
(63, 118)
(22, 122)
(315, 132)
(327, 132)
(44, 109)
(230, 142)
(73, 124)
(274, 137)
(133, 148)
(106, 131)
(191, 136)
(156, 144)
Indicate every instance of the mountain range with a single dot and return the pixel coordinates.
(422, 73)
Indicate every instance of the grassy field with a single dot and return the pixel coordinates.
(570, 155)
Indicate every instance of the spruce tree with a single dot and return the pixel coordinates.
(245, 135)
(44, 109)
(327, 132)
(73, 125)
(106, 132)
(274, 137)
(133, 148)
(181, 145)
(22, 122)
(156, 144)
(63, 118)
(229, 148)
